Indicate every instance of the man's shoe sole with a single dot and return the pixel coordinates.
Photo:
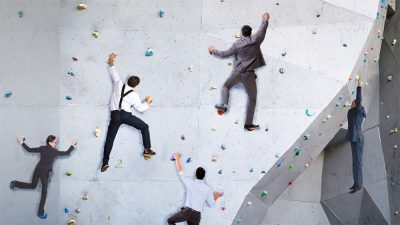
(104, 168)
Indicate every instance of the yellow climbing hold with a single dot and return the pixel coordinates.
(95, 34)
(97, 132)
(237, 35)
(71, 222)
(81, 6)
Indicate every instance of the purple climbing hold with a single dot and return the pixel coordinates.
(183, 137)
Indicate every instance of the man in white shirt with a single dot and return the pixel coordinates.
(122, 99)
(197, 193)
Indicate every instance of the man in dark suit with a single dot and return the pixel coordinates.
(248, 57)
(355, 117)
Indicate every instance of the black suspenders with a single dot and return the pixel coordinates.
(123, 95)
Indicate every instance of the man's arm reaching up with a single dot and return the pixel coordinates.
(113, 72)
(260, 35)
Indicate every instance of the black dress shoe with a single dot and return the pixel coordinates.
(352, 187)
(251, 127)
(354, 190)
(104, 168)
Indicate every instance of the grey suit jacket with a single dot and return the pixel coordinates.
(247, 52)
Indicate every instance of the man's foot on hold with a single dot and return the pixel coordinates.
(352, 187)
(251, 127)
(42, 216)
(354, 190)
(148, 152)
(221, 109)
(104, 167)
(12, 185)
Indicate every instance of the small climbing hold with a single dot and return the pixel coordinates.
(329, 116)
(337, 104)
(161, 13)
(230, 63)
(290, 183)
(81, 6)
(249, 203)
(71, 222)
(279, 164)
(396, 212)
(172, 158)
(220, 171)
(297, 151)
(251, 170)
(341, 97)
(8, 94)
(281, 70)
(240, 220)
(95, 34)
(291, 165)
(66, 210)
(314, 32)
(85, 197)
(387, 117)
(223, 207)
(214, 158)
(213, 128)
(390, 78)
(190, 68)
(263, 171)
(264, 194)
(69, 98)
(395, 146)
(376, 60)
(236, 121)
(71, 72)
(347, 104)
(75, 58)
(318, 15)
(283, 54)
(324, 120)
(266, 129)
(183, 137)
(353, 91)
(119, 164)
(365, 84)
(149, 52)
(223, 147)
(77, 210)
(68, 173)
(309, 112)
(344, 45)
(366, 53)
(350, 77)
(237, 35)
(188, 160)
(357, 77)
(212, 88)
(277, 156)
(97, 132)
(306, 165)
(394, 42)
(306, 137)
(20, 13)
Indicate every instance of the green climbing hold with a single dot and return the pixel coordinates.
(291, 165)
(264, 193)
(68, 173)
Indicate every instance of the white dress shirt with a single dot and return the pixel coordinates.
(130, 100)
(197, 193)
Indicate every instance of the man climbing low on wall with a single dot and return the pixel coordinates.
(248, 57)
(355, 117)
(197, 193)
(122, 99)
(48, 153)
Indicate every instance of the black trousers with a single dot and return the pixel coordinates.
(43, 175)
(357, 152)
(189, 215)
(122, 117)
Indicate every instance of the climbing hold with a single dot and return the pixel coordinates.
(161, 13)
(237, 35)
(220, 171)
(71, 222)
(324, 120)
(279, 164)
(290, 183)
(251, 170)
(376, 60)
(314, 32)
(387, 117)
(365, 53)
(213, 128)
(69, 98)
(190, 68)
(188, 160)
(66, 210)
(97, 132)
(394, 42)
(212, 88)
(263, 171)
(75, 58)
(337, 104)
(396, 212)
(264, 193)
(240, 220)
(395, 146)
(353, 91)
(318, 15)
(119, 164)
(306, 165)
(20, 13)
(309, 112)
(172, 158)
(230, 63)
(71, 72)
(183, 137)
(341, 97)
(95, 34)
(357, 77)
(81, 6)
(291, 165)
(266, 129)
(306, 137)
(350, 77)
(283, 54)
(344, 45)
(390, 78)
(223, 147)
(77, 210)
(214, 158)
(223, 207)
(277, 156)
(149, 52)
(347, 104)
(8, 94)
(365, 84)
(68, 173)
(236, 121)
(249, 203)
(281, 70)
(85, 197)
(297, 151)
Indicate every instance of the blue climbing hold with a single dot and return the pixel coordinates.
(66, 210)
(309, 112)
(223, 147)
(251, 170)
(149, 52)
(20, 13)
(71, 72)
(188, 160)
(161, 13)
(341, 97)
(8, 94)
(383, 3)
(69, 98)
(279, 164)
(220, 171)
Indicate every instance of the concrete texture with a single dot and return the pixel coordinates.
(38, 51)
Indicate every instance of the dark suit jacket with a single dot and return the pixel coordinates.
(247, 52)
(355, 117)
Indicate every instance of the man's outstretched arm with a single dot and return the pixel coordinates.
(70, 149)
(260, 35)
(26, 147)
(113, 72)
(223, 54)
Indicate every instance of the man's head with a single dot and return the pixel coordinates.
(353, 104)
(133, 81)
(200, 173)
(52, 141)
(246, 31)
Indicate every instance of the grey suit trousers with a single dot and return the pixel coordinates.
(357, 152)
(248, 79)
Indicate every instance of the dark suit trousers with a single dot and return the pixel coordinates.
(122, 117)
(357, 152)
(43, 175)
(189, 215)
(248, 80)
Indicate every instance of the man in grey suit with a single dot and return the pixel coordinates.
(355, 117)
(248, 57)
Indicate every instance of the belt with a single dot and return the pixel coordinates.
(190, 209)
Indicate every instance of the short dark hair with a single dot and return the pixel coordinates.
(133, 81)
(50, 138)
(200, 173)
(246, 31)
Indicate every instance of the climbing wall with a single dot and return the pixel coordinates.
(311, 48)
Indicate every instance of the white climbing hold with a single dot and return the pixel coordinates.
(81, 6)
(249, 203)
(390, 78)
(237, 35)
(387, 117)
(306, 165)
(97, 132)
(394, 42)
(190, 68)
(212, 88)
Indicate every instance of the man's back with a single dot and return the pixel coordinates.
(198, 192)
